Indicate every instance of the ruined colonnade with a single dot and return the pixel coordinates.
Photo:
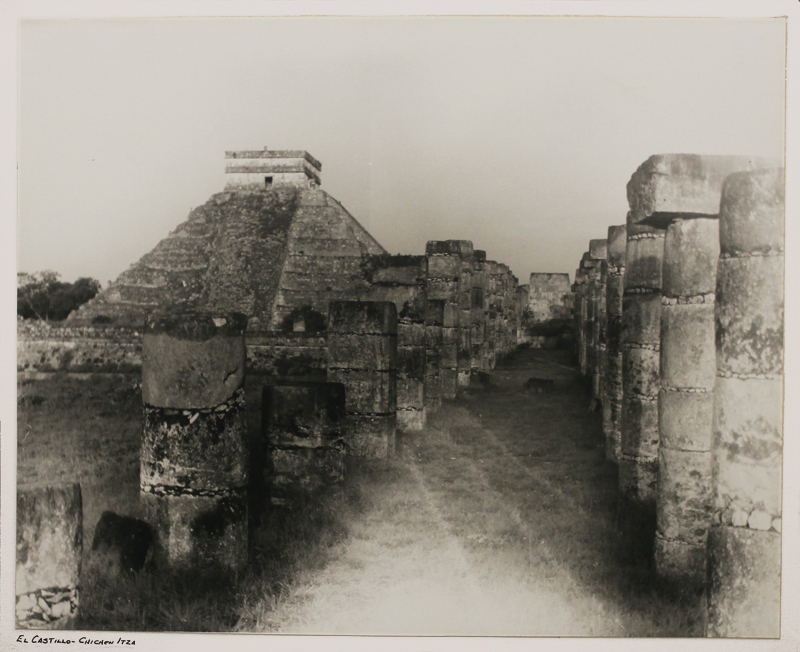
(698, 438)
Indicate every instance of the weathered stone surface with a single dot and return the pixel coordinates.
(363, 317)
(644, 258)
(549, 296)
(598, 249)
(688, 353)
(670, 185)
(449, 247)
(684, 495)
(749, 316)
(49, 548)
(196, 531)
(691, 252)
(198, 450)
(362, 351)
(640, 372)
(683, 564)
(304, 414)
(752, 213)
(300, 355)
(747, 445)
(639, 427)
(685, 420)
(616, 245)
(367, 392)
(638, 479)
(192, 360)
(641, 319)
(744, 583)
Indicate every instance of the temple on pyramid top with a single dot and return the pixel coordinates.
(259, 169)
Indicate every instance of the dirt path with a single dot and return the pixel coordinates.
(498, 519)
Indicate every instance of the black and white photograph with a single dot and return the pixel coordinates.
(382, 325)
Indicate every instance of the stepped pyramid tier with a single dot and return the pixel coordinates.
(275, 253)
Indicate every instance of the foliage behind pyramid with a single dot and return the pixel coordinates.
(271, 244)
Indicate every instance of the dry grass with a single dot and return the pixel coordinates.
(500, 518)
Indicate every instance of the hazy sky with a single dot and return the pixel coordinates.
(516, 133)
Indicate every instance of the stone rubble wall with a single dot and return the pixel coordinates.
(692, 375)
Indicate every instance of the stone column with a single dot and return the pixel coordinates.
(49, 548)
(691, 250)
(641, 338)
(598, 251)
(680, 193)
(612, 404)
(434, 320)
(492, 319)
(744, 545)
(465, 254)
(444, 272)
(362, 355)
(478, 312)
(193, 472)
(303, 424)
(522, 306)
(579, 316)
(403, 281)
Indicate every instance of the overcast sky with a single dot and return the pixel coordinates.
(516, 133)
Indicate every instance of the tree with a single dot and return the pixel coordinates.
(43, 296)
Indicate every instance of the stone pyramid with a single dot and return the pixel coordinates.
(268, 250)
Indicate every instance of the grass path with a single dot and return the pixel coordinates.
(498, 519)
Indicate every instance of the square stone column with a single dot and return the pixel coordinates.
(303, 424)
(49, 549)
(362, 355)
(403, 281)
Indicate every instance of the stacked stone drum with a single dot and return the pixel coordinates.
(194, 458)
(744, 546)
(612, 382)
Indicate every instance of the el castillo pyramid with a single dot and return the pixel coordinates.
(271, 243)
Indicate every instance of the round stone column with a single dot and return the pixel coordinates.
(744, 543)
(641, 344)
(688, 370)
(612, 385)
(193, 472)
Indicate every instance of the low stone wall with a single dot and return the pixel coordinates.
(46, 347)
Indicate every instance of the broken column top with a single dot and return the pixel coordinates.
(195, 326)
(598, 249)
(449, 247)
(670, 186)
(617, 240)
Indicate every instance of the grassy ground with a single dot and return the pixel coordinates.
(500, 518)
